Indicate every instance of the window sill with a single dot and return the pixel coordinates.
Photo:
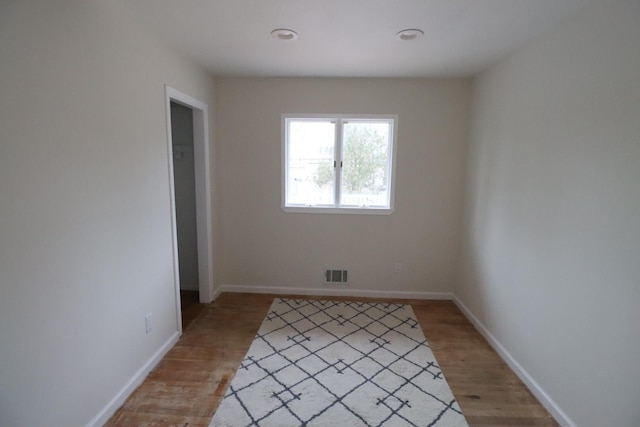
(347, 211)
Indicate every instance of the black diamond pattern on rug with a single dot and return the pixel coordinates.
(338, 363)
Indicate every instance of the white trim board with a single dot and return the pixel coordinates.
(560, 416)
(216, 293)
(333, 291)
(203, 195)
(107, 412)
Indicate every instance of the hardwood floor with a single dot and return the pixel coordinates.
(190, 307)
(187, 385)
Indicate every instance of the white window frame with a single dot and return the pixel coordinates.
(336, 208)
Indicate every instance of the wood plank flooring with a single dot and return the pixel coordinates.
(187, 385)
(190, 307)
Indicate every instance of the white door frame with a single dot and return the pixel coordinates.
(203, 196)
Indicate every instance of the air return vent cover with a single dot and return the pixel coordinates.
(336, 276)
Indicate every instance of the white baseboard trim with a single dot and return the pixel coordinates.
(216, 293)
(363, 293)
(560, 416)
(137, 379)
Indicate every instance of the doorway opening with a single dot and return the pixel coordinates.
(190, 204)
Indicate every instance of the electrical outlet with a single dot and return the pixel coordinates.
(398, 267)
(148, 322)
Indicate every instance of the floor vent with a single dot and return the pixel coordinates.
(336, 276)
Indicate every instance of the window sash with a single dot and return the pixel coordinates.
(301, 155)
(386, 167)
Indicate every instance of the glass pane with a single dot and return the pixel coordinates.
(311, 175)
(365, 171)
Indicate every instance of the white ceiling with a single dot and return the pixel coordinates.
(349, 38)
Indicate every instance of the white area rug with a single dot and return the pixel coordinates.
(330, 363)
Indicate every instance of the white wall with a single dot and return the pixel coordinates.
(85, 231)
(552, 265)
(265, 247)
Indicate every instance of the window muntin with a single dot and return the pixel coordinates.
(338, 164)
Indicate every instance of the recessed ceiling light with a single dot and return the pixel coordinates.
(410, 34)
(284, 34)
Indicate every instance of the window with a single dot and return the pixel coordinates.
(338, 164)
